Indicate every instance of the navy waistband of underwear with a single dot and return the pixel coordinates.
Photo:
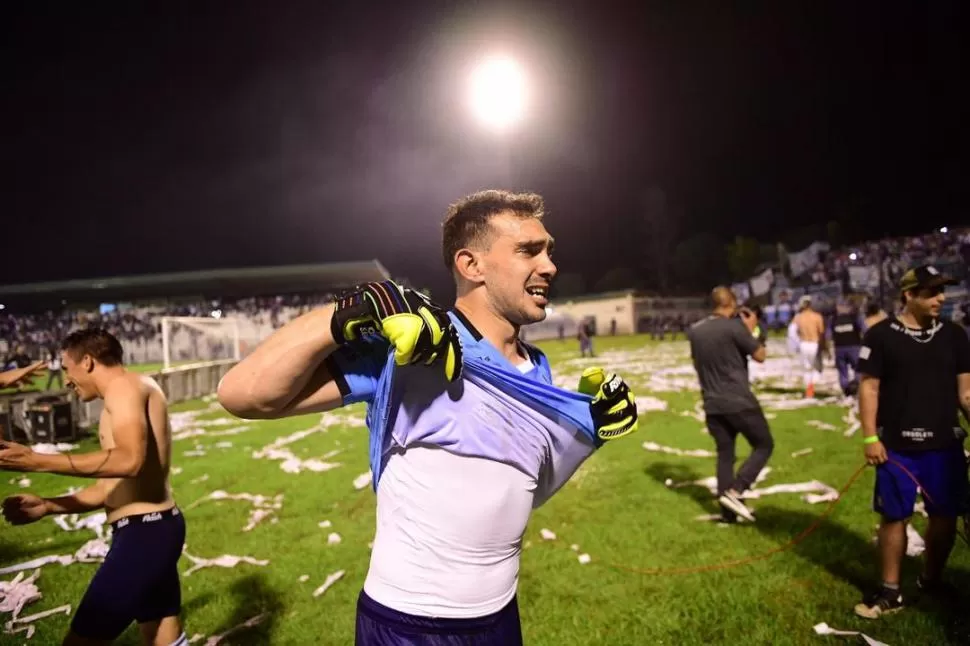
(150, 517)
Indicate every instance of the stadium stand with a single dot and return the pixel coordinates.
(35, 317)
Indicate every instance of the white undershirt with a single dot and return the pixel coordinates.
(449, 532)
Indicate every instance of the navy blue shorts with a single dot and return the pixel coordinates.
(139, 579)
(378, 625)
(942, 473)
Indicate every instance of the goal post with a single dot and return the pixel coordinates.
(198, 339)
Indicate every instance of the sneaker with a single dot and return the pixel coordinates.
(733, 502)
(728, 517)
(882, 602)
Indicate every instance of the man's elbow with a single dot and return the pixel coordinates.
(131, 464)
(760, 355)
(239, 403)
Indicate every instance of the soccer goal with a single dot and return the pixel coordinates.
(190, 339)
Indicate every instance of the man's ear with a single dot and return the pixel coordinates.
(87, 361)
(470, 265)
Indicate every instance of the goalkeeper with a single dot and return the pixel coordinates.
(467, 432)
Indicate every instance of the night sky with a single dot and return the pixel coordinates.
(142, 138)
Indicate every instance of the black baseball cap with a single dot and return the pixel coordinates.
(924, 276)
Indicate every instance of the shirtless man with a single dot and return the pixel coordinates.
(811, 333)
(139, 579)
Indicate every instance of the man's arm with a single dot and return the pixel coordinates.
(868, 404)
(285, 375)
(962, 355)
(963, 388)
(125, 402)
(746, 340)
(11, 377)
(85, 500)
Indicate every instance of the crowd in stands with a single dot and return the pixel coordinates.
(948, 249)
(35, 336)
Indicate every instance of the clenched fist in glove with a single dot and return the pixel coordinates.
(419, 330)
(614, 408)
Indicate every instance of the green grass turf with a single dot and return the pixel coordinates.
(616, 509)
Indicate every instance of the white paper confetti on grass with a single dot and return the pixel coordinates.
(330, 580)
(648, 404)
(215, 640)
(263, 506)
(547, 535)
(224, 561)
(333, 538)
(915, 545)
(74, 522)
(91, 552)
(851, 419)
(198, 432)
(801, 452)
(201, 478)
(290, 463)
(197, 453)
(223, 445)
(21, 482)
(816, 491)
(16, 594)
(693, 453)
(584, 559)
(324, 524)
(710, 482)
(824, 629)
(11, 627)
(362, 481)
(51, 449)
(822, 426)
(304, 578)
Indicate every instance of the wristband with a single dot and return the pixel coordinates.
(872, 439)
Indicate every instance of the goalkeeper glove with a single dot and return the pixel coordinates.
(420, 331)
(614, 408)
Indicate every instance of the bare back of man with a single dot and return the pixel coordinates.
(149, 491)
(811, 334)
(810, 326)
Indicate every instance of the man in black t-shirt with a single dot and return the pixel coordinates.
(915, 376)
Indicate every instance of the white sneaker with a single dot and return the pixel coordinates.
(734, 503)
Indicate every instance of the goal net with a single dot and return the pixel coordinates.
(189, 339)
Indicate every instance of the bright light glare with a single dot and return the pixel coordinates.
(943, 229)
(853, 256)
(498, 93)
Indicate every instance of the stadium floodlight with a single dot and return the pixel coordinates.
(943, 229)
(498, 92)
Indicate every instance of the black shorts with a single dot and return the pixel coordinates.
(139, 579)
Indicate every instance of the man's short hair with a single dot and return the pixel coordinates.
(467, 221)
(97, 342)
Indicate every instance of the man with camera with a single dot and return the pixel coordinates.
(720, 346)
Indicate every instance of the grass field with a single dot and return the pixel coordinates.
(617, 509)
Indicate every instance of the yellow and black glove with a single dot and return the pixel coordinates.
(420, 331)
(614, 408)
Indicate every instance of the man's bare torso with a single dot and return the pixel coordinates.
(810, 326)
(148, 491)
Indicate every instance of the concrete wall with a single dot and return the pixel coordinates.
(601, 310)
